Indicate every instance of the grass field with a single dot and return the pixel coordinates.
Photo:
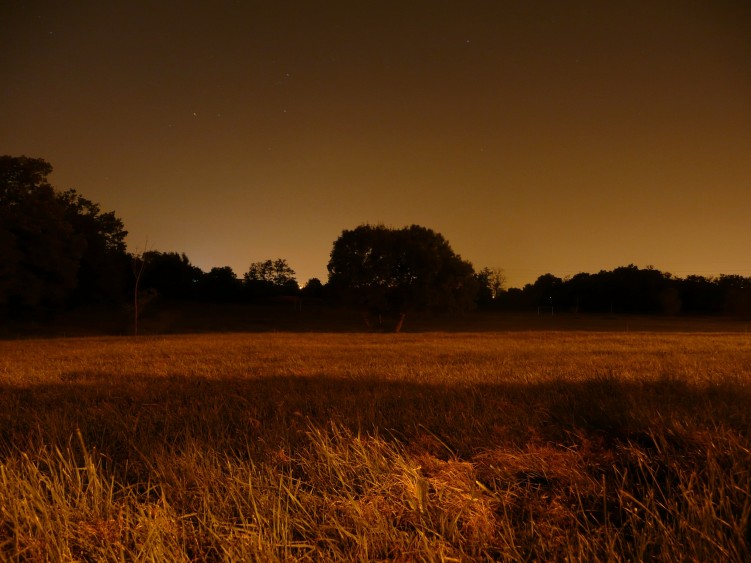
(415, 447)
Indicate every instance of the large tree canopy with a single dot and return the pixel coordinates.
(171, 274)
(395, 271)
(103, 267)
(220, 284)
(54, 247)
(39, 249)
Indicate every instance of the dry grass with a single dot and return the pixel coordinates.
(426, 447)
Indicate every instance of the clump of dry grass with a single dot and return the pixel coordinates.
(545, 446)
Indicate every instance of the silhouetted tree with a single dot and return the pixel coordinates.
(170, 274)
(582, 293)
(546, 292)
(103, 268)
(700, 294)
(39, 248)
(511, 299)
(220, 285)
(313, 289)
(490, 283)
(737, 294)
(270, 278)
(395, 271)
(635, 290)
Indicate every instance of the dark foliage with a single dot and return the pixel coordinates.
(395, 271)
(171, 275)
(103, 267)
(270, 278)
(314, 289)
(631, 290)
(57, 250)
(220, 285)
(490, 282)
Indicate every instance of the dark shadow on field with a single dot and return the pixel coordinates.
(201, 318)
(127, 420)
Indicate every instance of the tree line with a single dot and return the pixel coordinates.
(60, 251)
(632, 290)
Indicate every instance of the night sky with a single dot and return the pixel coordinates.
(536, 136)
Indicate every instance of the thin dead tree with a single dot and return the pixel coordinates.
(138, 265)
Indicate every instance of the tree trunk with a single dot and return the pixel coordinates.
(400, 322)
(366, 319)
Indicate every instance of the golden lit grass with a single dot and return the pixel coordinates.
(266, 447)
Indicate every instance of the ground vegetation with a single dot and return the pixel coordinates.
(510, 446)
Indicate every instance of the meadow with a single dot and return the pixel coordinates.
(519, 446)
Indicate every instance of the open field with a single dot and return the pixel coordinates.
(541, 445)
